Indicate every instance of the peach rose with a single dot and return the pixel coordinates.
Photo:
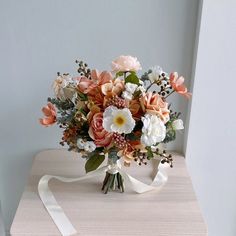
(50, 115)
(154, 104)
(101, 137)
(177, 83)
(115, 87)
(126, 63)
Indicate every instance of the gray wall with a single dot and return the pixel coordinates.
(211, 146)
(39, 38)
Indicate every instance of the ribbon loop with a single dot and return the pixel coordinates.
(56, 212)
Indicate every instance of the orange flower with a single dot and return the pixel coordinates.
(135, 108)
(115, 87)
(128, 153)
(88, 86)
(154, 104)
(177, 83)
(50, 113)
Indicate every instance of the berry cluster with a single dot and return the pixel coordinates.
(116, 101)
(83, 69)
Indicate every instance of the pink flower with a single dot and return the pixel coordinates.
(126, 63)
(50, 113)
(101, 137)
(177, 83)
(86, 85)
(101, 78)
(154, 104)
(89, 86)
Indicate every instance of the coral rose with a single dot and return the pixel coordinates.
(154, 104)
(50, 115)
(177, 83)
(101, 137)
(126, 63)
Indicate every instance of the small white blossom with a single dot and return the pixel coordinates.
(126, 95)
(156, 73)
(89, 146)
(118, 120)
(153, 131)
(141, 89)
(178, 124)
(80, 143)
(130, 88)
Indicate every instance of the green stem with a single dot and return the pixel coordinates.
(169, 94)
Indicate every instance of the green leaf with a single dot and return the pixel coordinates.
(120, 73)
(149, 153)
(94, 162)
(132, 78)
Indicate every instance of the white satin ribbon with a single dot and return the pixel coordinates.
(56, 212)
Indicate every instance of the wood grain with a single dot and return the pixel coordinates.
(173, 211)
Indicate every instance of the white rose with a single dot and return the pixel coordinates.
(153, 131)
(126, 63)
(178, 124)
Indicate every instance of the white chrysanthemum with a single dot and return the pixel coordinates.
(153, 131)
(118, 120)
(89, 146)
(60, 83)
(178, 124)
(155, 74)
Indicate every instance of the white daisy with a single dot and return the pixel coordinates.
(118, 120)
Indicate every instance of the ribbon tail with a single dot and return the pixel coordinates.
(159, 180)
(55, 211)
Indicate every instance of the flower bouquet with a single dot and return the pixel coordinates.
(116, 115)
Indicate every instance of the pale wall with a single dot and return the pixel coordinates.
(211, 144)
(39, 38)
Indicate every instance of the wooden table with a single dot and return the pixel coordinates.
(174, 211)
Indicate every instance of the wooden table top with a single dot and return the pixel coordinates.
(173, 211)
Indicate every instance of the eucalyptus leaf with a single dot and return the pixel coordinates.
(94, 162)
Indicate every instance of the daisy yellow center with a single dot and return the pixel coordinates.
(119, 120)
